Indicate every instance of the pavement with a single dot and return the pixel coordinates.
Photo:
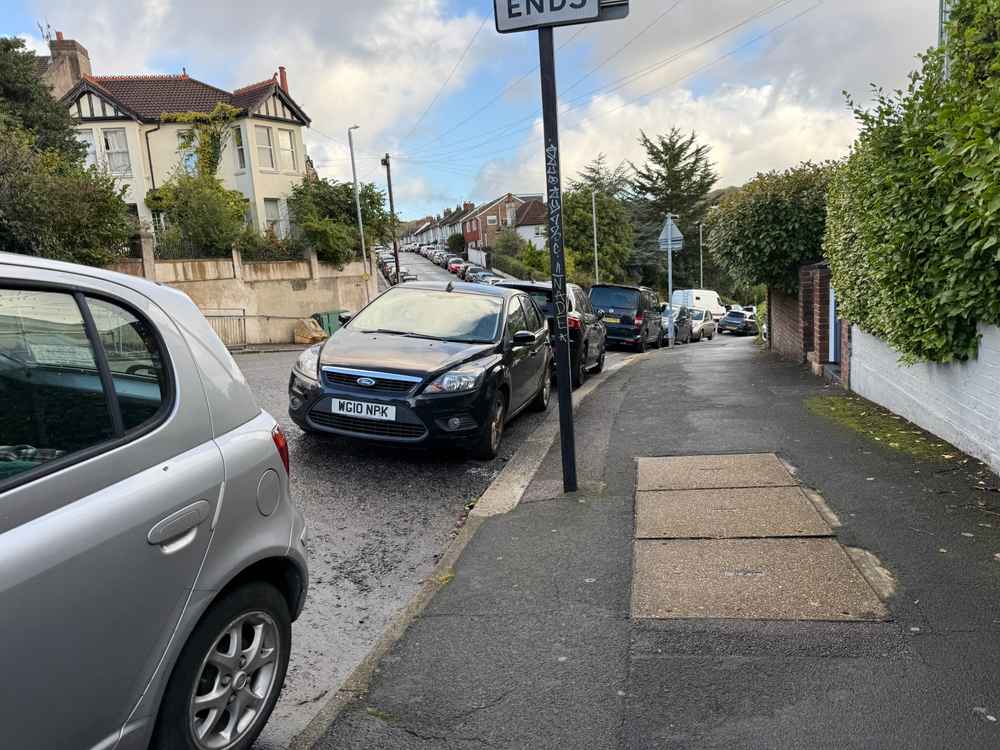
(531, 641)
(379, 519)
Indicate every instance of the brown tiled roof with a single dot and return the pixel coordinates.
(150, 96)
(531, 213)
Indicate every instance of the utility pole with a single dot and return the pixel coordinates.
(670, 288)
(392, 212)
(593, 211)
(943, 14)
(357, 205)
(553, 185)
(701, 255)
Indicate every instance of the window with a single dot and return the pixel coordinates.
(510, 214)
(534, 320)
(286, 150)
(539, 230)
(116, 149)
(134, 360)
(265, 148)
(86, 137)
(272, 215)
(241, 156)
(491, 221)
(53, 383)
(516, 320)
(189, 157)
(50, 387)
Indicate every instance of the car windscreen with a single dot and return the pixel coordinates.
(608, 297)
(451, 316)
(544, 301)
(697, 314)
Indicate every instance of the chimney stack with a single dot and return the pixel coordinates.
(282, 78)
(70, 62)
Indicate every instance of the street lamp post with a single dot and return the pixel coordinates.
(701, 255)
(593, 212)
(357, 205)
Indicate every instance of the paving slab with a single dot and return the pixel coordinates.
(712, 472)
(727, 513)
(757, 579)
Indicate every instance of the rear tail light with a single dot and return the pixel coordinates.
(638, 321)
(573, 321)
(281, 443)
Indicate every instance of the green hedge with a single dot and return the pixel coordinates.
(513, 266)
(913, 228)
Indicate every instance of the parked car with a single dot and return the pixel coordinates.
(455, 264)
(427, 363)
(470, 268)
(152, 562)
(587, 335)
(703, 299)
(481, 277)
(739, 322)
(448, 259)
(702, 324)
(405, 274)
(683, 324)
(630, 313)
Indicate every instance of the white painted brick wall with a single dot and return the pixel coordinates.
(958, 402)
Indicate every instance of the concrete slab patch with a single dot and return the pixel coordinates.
(727, 513)
(760, 579)
(712, 472)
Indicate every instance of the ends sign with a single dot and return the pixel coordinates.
(521, 15)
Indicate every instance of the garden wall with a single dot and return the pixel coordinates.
(958, 402)
(258, 302)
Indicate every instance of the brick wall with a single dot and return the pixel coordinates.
(845, 354)
(959, 402)
(785, 327)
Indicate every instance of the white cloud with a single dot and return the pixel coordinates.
(34, 44)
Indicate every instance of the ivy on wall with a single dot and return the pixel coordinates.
(913, 226)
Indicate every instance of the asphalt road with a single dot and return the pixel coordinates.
(378, 518)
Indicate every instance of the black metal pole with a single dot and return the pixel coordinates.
(553, 187)
(392, 213)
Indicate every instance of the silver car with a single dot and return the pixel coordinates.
(702, 324)
(151, 562)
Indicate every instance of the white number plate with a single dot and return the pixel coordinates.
(364, 410)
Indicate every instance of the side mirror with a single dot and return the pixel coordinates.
(524, 338)
(344, 317)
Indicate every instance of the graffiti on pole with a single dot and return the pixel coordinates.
(556, 241)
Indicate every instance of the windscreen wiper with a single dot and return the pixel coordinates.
(408, 334)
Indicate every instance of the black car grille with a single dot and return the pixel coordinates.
(367, 426)
(381, 384)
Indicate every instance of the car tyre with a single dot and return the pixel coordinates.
(541, 401)
(600, 361)
(488, 445)
(641, 345)
(579, 376)
(658, 344)
(249, 673)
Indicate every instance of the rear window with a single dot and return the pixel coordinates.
(543, 300)
(607, 297)
(735, 315)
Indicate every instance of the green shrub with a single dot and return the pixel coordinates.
(913, 236)
(203, 218)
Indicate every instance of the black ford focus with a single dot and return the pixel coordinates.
(427, 363)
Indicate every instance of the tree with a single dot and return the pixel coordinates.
(203, 218)
(208, 135)
(675, 179)
(323, 211)
(456, 243)
(614, 233)
(509, 242)
(51, 206)
(762, 233)
(913, 234)
(29, 105)
(597, 175)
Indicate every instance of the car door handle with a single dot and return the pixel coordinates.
(179, 523)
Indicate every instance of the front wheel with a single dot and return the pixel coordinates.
(229, 674)
(579, 374)
(541, 401)
(641, 345)
(600, 361)
(488, 445)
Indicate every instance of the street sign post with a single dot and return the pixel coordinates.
(525, 15)
(671, 241)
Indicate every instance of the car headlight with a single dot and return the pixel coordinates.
(307, 364)
(456, 381)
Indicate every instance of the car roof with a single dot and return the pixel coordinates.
(463, 287)
(624, 286)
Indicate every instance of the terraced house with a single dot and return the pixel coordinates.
(120, 119)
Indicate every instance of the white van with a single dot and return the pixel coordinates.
(703, 299)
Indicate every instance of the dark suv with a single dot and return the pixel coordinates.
(587, 334)
(631, 314)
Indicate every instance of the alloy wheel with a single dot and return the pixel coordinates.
(496, 424)
(235, 681)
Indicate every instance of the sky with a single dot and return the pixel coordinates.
(457, 105)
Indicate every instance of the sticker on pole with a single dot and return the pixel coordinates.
(521, 15)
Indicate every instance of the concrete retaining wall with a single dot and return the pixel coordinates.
(268, 295)
(958, 402)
